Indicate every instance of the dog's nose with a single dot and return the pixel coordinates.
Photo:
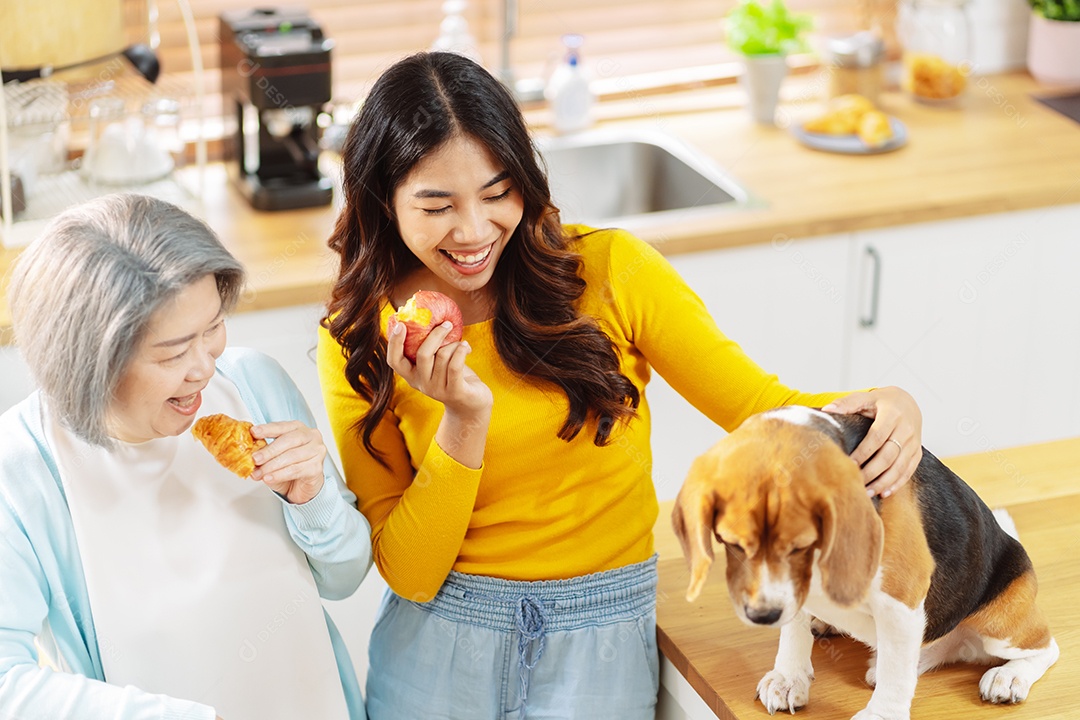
(763, 617)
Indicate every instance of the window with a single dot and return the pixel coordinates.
(623, 38)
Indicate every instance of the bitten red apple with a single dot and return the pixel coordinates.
(425, 310)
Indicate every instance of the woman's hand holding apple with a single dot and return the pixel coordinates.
(427, 331)
(440, 373)
(424, 347)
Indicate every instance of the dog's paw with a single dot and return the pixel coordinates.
(778, 691)
(865, 714)
(871, 670)
(883, 711)
(1004, 685)
(820, 628)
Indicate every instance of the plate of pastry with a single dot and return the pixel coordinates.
(853, 126)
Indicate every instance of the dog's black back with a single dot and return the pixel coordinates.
(975, 560)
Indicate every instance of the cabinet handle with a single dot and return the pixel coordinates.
(875, 289)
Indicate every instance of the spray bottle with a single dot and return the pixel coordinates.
(568, 90)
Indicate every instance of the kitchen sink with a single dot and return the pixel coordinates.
(633, 179)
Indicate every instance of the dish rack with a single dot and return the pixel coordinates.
(52, 114)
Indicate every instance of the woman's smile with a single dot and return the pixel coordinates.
(469, 262)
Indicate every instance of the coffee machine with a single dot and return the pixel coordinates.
(275, 73)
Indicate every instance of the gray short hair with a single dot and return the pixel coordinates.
(83, 293)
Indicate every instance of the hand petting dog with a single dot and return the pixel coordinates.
(892, 449)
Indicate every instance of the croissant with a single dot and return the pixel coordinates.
(229, 441)
(842, 117)
(874, 129)
(853, 115)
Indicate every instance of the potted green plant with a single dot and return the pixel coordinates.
(1054, 42)
(764, 34)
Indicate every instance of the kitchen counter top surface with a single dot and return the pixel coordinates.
(723, 659)
(999, 150)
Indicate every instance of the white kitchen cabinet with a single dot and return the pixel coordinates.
(677, 699)
(784, 302)
(979, 319)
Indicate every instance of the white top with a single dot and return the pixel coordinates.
(197, 589)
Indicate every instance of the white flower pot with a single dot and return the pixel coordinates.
(1054, 51)
(761, 79)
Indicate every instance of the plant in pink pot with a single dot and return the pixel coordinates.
(1054, 42)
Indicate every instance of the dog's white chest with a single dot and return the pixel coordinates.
(857, 621)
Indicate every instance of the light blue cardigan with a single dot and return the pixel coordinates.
(41, 576)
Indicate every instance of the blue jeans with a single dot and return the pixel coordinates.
(492, 649)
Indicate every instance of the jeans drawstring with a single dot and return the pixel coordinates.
(530, 626)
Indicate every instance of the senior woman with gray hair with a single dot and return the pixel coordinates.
(140, 578)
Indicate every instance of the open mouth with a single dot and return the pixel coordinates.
(468, 260)
(187, 404)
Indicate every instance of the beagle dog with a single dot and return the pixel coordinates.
(925, 577)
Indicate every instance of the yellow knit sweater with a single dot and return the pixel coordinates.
(541, 508)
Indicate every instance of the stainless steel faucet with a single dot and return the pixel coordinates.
(527, 90)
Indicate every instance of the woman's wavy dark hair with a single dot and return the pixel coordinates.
(416, 106)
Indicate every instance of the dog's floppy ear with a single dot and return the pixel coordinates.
(852, 535)
(694, 518)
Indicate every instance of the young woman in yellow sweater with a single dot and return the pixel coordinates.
(506, 477)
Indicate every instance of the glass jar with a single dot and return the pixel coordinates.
(853, 63)
(129, 149)
(162, 135)
(936, 36)
(108, 148)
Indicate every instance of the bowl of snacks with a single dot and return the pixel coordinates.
(852, 125)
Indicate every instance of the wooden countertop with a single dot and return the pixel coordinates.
(999, 151)
(723, 659)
